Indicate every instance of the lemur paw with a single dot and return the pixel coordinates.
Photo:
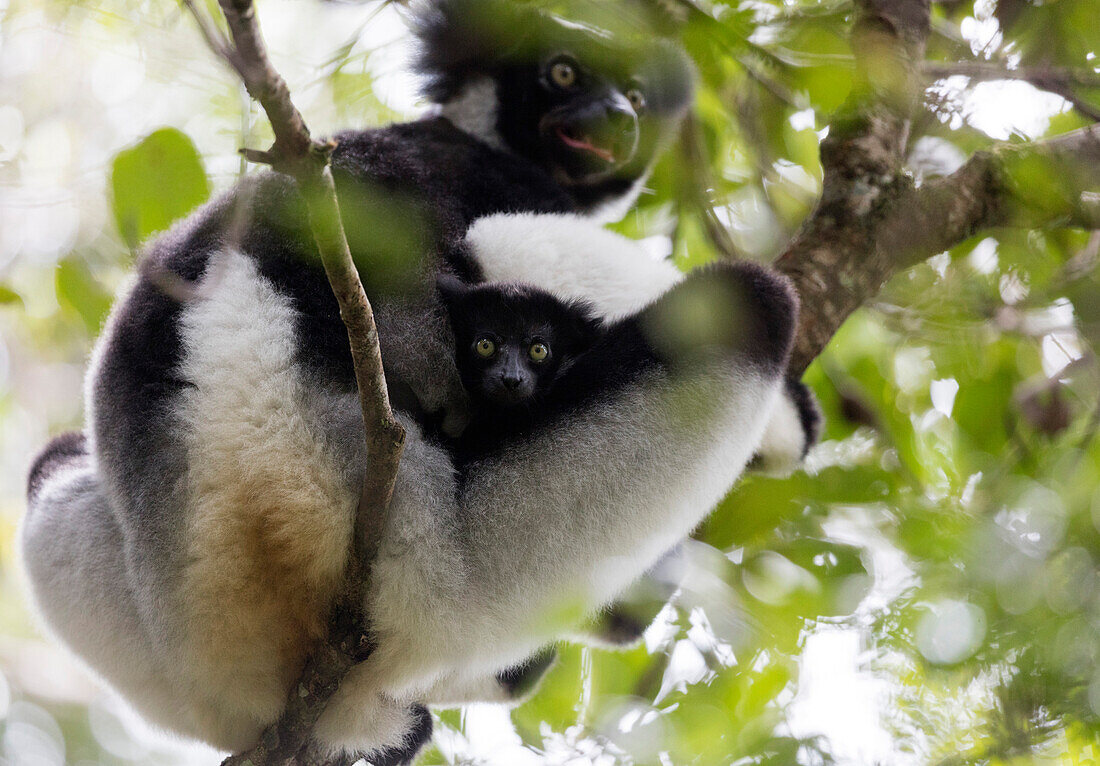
(794, 427)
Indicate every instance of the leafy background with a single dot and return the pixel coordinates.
(925, 592)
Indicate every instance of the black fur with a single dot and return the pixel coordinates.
(512, 317)
(62, 449)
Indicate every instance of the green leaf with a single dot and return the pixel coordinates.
(79, 291)
(155, 182)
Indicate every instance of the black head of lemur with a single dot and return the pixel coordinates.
(513, 343)
(592, 107)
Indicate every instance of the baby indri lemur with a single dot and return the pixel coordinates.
(515, 346)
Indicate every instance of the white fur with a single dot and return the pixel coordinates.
(573, 258)
(784, 440)
(475, 109)
(270, 518)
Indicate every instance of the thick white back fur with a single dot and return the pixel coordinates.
(573, 258)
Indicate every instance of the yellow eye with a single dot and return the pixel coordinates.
(539, 351)
(563, 74)
(485, 348)
(636, 99)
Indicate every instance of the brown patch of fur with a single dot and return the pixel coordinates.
(269, 545)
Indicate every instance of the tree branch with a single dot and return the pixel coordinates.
(1060, 81)
(871, 222)
(307, 161)
(861, 161)
(986, 71)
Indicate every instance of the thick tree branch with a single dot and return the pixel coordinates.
(869, 227)
(862, 171)
(307, 161)
(871, 222)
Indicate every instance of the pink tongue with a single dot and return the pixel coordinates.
(580, 143)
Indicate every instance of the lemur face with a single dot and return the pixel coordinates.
(513, 341)
(582, 121)
(587, 105)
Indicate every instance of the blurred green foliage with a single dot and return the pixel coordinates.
(156, 182)
(945, 531)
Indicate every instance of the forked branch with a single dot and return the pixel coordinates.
(872, 222)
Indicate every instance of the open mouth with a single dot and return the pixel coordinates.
(575, 140)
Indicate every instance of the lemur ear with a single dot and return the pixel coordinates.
(586, 325)
(462, 38)
(451, 288)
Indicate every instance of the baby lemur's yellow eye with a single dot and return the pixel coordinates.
(539, 351)
(563, 74)
(485, 348)
(636, 99)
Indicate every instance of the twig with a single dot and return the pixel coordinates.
(778, 90)
(307, 161)
(1040, 76)
(1061, 81)
(698, 189)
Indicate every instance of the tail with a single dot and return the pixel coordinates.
(63, 450)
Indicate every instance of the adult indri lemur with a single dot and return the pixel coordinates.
(188, 544)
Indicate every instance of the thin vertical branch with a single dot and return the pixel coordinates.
(297, 154)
